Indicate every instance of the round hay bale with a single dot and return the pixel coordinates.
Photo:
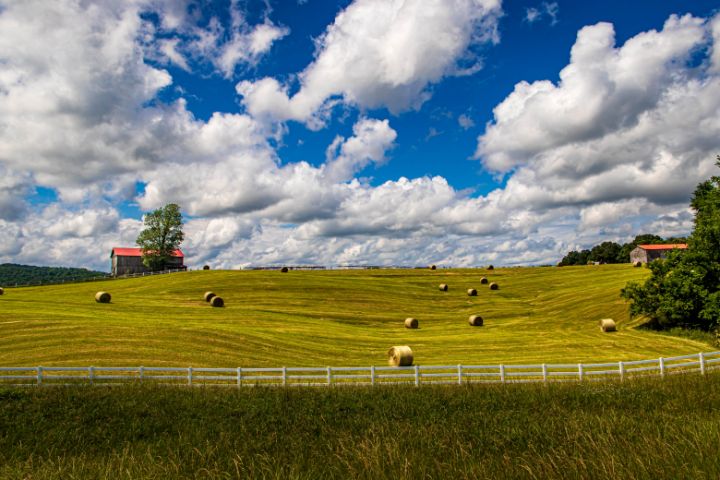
(472, 292)
(1, 291)
(206, 267)
(411, 322)
(284, 270)
(433, 267)
(443, 287)
(400, 356)
(494, 286)
(490, 267)
(208, 296)
(217, 302)
(483, 281)
(102, 297)
(475, 321)
(608, 325)
(637, 264)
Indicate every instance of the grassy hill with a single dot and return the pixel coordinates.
(317, 318)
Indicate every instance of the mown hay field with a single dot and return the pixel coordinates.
(338, 318)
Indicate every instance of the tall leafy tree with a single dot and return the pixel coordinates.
(606, 252)
(706, 203)
(161, 236)
(684, 289)
(575, 258)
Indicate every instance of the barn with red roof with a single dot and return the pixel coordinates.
(648, 253)
(124, 261)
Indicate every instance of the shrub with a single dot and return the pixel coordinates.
(684, 288)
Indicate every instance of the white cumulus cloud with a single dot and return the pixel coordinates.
(379, 53)
(628, 126)
(197, 33)
(604, 90)
(371, 139)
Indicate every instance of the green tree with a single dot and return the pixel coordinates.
(684, 289)
(606, 252)
(648, 239)
(575, 258)
(706, 203)
(162, 235)
(676, 240)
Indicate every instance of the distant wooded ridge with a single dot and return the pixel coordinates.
(11, 273)
(611, 252)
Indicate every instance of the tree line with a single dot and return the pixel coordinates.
(12, 273)
(611, 252)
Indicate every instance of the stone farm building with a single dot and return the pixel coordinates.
(648, 253)
(129, 260)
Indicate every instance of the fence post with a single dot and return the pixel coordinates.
(91, 374)
(372, 375)
(661, 361)
(329, 376)
(701, 359)
(580, 372)
(502, 373)
(284, 376)
(190, 376)
(544, 372)
(39, 375)
(141, 372)
(239, 377)
(459, 374)
(417, 375)
(621, 370)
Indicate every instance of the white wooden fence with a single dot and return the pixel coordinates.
(347, 376)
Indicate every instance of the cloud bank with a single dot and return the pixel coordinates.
(615, 147)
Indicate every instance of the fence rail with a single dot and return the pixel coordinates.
(347, 376)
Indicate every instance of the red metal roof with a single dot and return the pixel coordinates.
(137, 252)
(666, 246)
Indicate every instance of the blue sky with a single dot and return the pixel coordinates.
(432, 142)
(458, 132)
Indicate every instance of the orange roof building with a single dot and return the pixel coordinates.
(648, 253)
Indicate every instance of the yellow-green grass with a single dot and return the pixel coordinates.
(645, 429)
(338, 318)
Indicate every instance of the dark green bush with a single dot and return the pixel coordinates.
(684, 289)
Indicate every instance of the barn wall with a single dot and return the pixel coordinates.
(122, 265)
(638, 255)
(647, 256)
(128, 265)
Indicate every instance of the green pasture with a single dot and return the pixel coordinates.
(339, 318)
(643, 429)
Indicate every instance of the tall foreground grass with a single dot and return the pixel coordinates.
(648, 428)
